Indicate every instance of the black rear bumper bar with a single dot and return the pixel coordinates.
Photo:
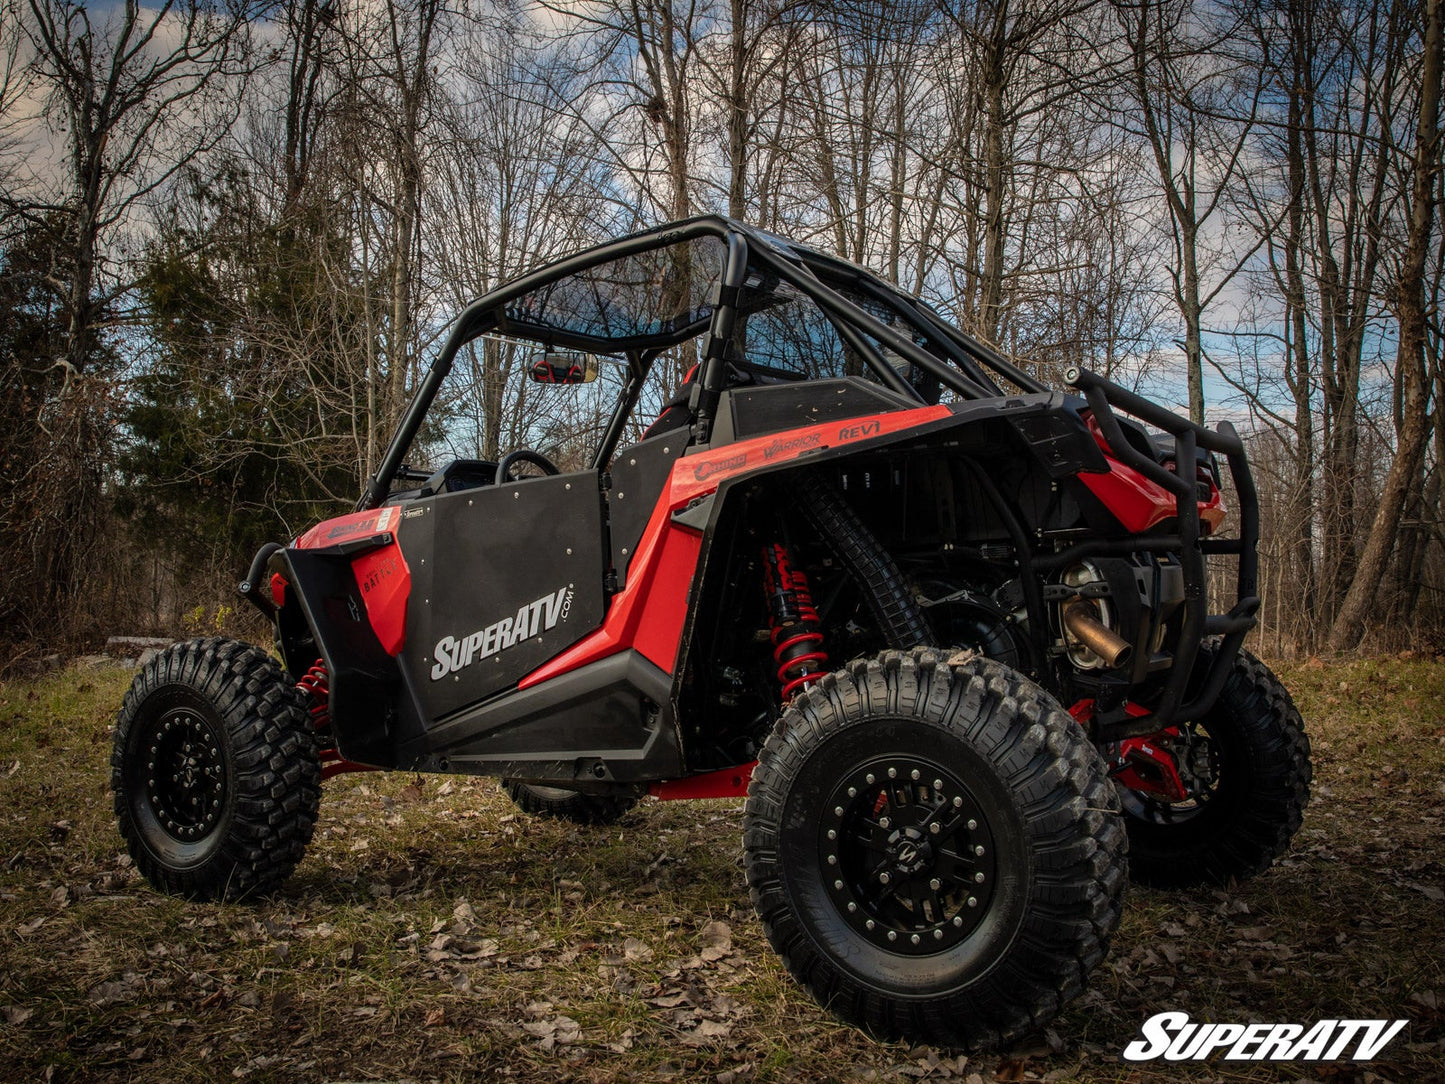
(1103, 397)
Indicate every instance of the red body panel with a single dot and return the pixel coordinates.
(381, 574)
(1138, 503)
(657, 587)
(330, 532)
(662, 570)
(385, 582)
(1135, 501)
(694, 476)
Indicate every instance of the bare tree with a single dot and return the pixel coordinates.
(644, 56)
(1196, 105)
(1412, 310)
(133, 99)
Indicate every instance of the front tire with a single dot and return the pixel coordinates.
(215, 771)
(1253, 749)
(934, 848)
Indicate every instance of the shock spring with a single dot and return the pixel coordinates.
(316, 684)
(797, 635)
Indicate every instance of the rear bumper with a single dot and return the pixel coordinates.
(1104, 397)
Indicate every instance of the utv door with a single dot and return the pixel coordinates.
(503, 577)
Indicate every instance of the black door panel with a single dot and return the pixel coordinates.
(502, 579)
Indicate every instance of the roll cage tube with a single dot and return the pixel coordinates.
(638, 366)
(724, 315)
(839, 307)
(969, 353)
(1103, 396)
(865, 350)
(966, 357)
(482, 315)
(744, 245)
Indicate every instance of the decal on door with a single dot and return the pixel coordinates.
(454, 654)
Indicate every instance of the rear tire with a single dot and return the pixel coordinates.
(215, 772)
(968, 936)
(1262, 762)
(569, 805)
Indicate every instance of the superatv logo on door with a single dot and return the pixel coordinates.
(535, 617)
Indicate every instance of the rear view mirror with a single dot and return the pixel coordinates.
(563, 367)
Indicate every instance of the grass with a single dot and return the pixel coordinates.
(433, 932)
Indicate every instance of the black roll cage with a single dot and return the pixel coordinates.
(969, 376)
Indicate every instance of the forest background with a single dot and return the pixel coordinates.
(232, 234)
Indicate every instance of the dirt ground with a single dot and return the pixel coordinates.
(435, 933)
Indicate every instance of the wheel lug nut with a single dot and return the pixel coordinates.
(938, 935)
(957, 801)
(935, 828)
(852, 792)
(852, 906)
(958, 920)
(884, 822)
(838, 811)
(914, 775)
(972, 902)
(832, 860)
(883, 878)
(838, 885)
(978, 850)
(832, 833)
(972, 824)
(871, 778)
(978, 877)
(935, 884)
(892, 773)
(869, 924)
(893, 935)
(915, 939)
(938, 784)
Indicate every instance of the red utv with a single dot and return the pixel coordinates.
(946, 628)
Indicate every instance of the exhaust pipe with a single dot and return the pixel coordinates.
(1103, 641)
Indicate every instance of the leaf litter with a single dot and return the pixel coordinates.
(434, 933)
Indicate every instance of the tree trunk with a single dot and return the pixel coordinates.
(1412, 310)
(1297, 367)
(991, 297)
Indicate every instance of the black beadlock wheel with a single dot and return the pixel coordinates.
(934, 848)
(1249, 758)
(215, 771)
(544, 801)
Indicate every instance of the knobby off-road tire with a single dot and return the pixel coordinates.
(1262, 764)
(568, 805)
(983, 929)
(215, 771)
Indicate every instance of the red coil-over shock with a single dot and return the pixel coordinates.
(797, 632)
(316, 684)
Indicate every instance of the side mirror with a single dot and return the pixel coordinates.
(563, 367)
